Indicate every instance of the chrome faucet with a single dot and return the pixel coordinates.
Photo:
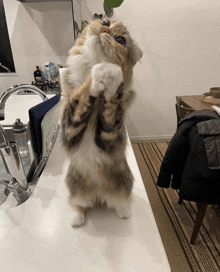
(11, 158)
(14, 89)
(18, 182)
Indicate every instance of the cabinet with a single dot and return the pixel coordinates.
(76, 12)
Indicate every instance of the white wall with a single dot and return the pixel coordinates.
(39, 32)
(180, 41)
(181, 45)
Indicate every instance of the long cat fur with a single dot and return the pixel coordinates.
(98, 90)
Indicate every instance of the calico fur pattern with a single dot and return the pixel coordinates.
(98, 91)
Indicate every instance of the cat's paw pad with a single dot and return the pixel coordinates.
(123, 213)
(78, 220)
(106, 77)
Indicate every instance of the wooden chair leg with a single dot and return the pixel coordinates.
(199, 218)
(180, 201)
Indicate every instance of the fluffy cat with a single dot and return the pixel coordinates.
(98, 90)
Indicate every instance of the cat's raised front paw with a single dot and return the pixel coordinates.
(106, 77)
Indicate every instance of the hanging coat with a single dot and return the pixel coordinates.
(192, 160)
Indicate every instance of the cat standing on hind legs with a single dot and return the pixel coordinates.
(98, 91)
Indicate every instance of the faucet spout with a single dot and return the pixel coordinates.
(18, 88)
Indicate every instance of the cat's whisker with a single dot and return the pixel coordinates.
(110, 52)
(106, 39)
(122, 59)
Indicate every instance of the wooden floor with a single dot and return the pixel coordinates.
(175, 222)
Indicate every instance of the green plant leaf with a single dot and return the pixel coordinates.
(113, 3)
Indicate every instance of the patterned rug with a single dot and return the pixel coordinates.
(205, 254)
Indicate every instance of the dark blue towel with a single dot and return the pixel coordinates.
(36, 115)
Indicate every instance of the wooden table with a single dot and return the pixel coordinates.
(194, 102)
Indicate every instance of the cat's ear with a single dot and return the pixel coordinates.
(136, 54)
(140, 52)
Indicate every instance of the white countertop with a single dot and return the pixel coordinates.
(37, 236)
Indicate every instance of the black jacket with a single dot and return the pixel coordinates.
(192, 160)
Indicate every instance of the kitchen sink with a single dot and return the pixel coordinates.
(18, 174)
(34, 167)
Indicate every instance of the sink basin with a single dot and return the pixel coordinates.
(5, 177)
(32, 170)
(3, 173)
(19, 175)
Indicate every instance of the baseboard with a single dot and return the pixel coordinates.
(150, 138)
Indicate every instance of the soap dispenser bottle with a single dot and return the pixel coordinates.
(20, 133)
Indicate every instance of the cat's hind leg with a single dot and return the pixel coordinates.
(81, 195)
(79, 204)
(120, 203)
(79, 214)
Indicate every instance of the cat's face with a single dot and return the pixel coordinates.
(115, 41)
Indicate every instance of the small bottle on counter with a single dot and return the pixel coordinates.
(37, 74)
(20, 133)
